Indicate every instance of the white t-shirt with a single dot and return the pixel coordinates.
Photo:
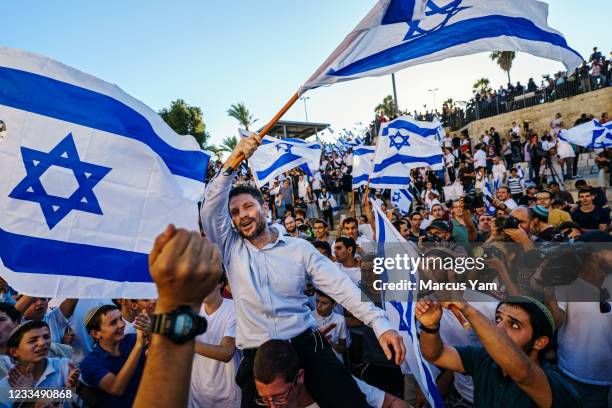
(516, 130)
(585, 346)
(480, 159)
(565, 149)
(452, 333)
(511, 204)
(353, 272)
(302, 187)
(340, 332)
(213, 382)
(447, 141)
(499, 171)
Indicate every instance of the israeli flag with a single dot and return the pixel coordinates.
(402, 200)
(403, 144)
(401, 312)
(487, 193)
(90, 176)
(520, 172)
(592, 135)
(362, 165)
(276, 156)
(393, 36)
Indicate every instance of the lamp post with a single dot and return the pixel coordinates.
(433, 91)
(304, 99)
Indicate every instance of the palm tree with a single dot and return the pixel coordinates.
(387, 108)
(449, 102)
(229, 143)
(481, 86)
(504, 60)
(240, 112)
(217, 151)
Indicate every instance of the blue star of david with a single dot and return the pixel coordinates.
(284, 146)
(398, 141)
(63, 155)
(396, 196)
(604, 142)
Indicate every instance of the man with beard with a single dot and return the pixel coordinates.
(268, 274)
(507, 367)
(291, 227)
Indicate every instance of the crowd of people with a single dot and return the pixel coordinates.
(591, 75)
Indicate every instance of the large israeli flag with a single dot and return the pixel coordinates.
(593, 135)
(90, 176)
(362, 165)
(276, 156)
(403, 144)
(401, 311)
(392, 36)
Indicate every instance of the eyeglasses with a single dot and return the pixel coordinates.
(604, 305)
(282, 399)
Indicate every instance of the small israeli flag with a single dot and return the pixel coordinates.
(276, 156)
(90, 176)
(362, 165)
(403, 144)
(592, 135)
(402, 200)
(520, 172)
(402, 312)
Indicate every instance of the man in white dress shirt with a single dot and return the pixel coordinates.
(268, 274)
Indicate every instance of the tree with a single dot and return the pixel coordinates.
(240, 112)
(504, 60)
(185, 119)
(217, 151)
(449, 102)
(481, 86)
(229, 143)
(387, 108)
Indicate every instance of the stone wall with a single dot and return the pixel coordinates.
(540, 116)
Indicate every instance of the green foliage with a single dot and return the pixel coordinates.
(481, 86)
(240, 112)
(229, 143)
(185, 119)
(386, 108)
(504, 60)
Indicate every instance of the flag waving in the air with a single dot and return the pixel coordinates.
(593, 135)
(276, 156)
(401, 33)
(90, 176)
(404, 144)
(362, 165)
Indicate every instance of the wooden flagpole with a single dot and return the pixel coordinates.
(232, 166)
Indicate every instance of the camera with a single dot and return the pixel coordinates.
(507, 222)
(473, 200)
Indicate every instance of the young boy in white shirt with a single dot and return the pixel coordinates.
(325, 316)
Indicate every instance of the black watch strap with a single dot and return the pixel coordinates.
(430, 330)
(164, 324)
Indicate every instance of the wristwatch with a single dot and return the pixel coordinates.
(429, 329)
(180, 325)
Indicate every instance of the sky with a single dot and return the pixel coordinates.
(214, 54)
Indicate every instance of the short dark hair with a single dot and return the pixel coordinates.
(324, 246)
(365, 217)
(398, 224)
(15, 338)
(10, 311)
(321, 293)
(550, 194)
(319, 221)
(553, 183)
(246, 189)
(585, 190)
(276, 359)
(349, 220)
(580, 184)
(347, 242)
(96, 320)
(537, 319)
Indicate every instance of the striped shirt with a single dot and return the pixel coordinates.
(514, 184)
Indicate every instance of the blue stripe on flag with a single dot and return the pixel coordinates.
(390, 180)
(411, 127)
(359, 179)
(461, 32)
(50, 257)
(282, 160)
(60, 100)
(400, 158)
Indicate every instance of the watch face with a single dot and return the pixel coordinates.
(183, 324)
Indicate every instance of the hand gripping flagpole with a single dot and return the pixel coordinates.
(233, 165)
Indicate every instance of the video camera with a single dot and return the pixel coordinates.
(507, 222)
(473, 200)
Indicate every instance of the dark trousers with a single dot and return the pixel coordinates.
(387, 378)
(327, 380)
(328, 216)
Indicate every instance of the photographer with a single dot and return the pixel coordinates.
(552, 166)
(585, 327)
(462, 223)
(503, 200)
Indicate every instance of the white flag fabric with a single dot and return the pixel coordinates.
(402, 199)
(392, 36)
(362, 165)
(401, 313)
(276, 156)
(404, 144)
(593, 135)
(90, 176)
